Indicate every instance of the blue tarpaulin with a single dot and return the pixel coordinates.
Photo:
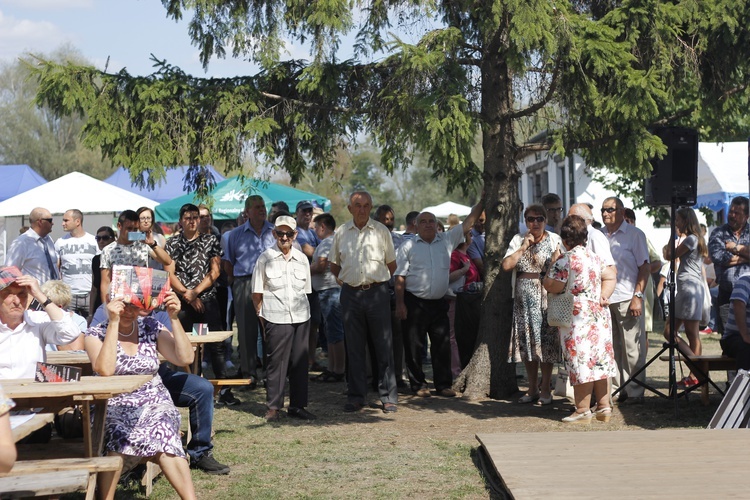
(18, 179)
(168, 189)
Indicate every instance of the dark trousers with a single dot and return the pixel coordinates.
(287, 346)
(197, 394)
(736, 348)
(368, 313)
(247, 326)
(210, 315)
(467, 324)
(429, 317)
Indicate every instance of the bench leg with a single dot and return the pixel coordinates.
(91, 488)
(704, 388)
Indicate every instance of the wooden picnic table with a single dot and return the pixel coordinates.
(88, 391)
(199, 341)
(23, 425)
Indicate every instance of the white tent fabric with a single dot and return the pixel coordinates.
(722, 173)
(74, 190)
(445, 209)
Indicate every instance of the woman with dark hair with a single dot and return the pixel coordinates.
(533, 341)
(104, 236)
(587, 341)
(147, 224)
(688, 300)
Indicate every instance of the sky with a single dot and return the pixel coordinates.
(125, 31)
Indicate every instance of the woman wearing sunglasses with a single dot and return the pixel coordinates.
(533, 341)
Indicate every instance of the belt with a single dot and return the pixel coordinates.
(366, 286)
(529, 276)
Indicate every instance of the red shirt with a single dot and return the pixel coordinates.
(457, 262)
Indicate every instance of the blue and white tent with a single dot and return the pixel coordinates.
(18, 179)
(722, 174)
(171, 187)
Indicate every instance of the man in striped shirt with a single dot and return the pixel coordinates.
(735, 341)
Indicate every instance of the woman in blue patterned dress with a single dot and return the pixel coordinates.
(7, 445)
(533, 341)
(587, 341)
(144, 423)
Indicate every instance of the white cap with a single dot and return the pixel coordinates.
(285, 220)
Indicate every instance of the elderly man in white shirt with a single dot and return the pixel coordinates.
(422, 278)
(33, 252)
(280, 284)
(629, 337)
(24, 333)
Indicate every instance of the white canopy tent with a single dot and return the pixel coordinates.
(722, 174)
(445, 209)
(100, 203)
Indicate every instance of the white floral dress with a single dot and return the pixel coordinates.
(587, 342)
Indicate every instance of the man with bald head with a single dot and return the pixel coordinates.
(422, 278)
(34, 251)
(596, 242)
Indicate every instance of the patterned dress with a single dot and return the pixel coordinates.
(587, 342)
(532, 338)
(144, 422)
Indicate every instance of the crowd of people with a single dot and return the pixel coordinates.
(375, 299)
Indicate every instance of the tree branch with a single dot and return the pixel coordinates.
(530, 110)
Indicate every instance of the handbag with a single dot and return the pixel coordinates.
(560, 307)
(562, 384)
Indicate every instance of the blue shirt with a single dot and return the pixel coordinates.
(244, 246)
(476, 249)
(307, 236)
(720, 256)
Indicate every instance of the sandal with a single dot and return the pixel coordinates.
(579, 418)
(603, 414)
(688, 382)
(526, 398)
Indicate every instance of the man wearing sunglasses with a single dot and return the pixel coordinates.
(281, 282)
(33, 252)
(629, 338)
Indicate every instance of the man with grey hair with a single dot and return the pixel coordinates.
(363, 259)
(629, 339)
(34, 252)
(76, 250)
(244, 245)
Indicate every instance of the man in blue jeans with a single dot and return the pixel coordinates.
(192, 392)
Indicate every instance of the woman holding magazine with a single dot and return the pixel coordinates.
(144, 423)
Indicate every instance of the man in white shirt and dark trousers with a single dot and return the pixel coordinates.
(76, 250)
(629, 337)
(422, 279)
(280, 284)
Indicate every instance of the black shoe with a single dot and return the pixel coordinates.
(227, 398)
(209, 465)
(300, 413)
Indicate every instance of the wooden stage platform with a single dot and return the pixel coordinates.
(674, 463)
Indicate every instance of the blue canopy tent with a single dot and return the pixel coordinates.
(170, 188)
(18, 179)
(722, 175)
(229, 198)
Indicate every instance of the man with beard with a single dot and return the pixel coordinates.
(729, 249)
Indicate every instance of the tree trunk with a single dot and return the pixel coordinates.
(488, 373)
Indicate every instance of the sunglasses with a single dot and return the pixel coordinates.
(48, 220)
(288, 234)
(534, 219)
(608, 210)
(103, 238)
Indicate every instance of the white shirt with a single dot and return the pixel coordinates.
(22, 348)
(599, 244)
(426, 266)
(284, 285)
(630, 251)
(28, 255)
(75, 261)
(363, 254)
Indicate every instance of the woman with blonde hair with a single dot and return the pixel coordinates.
(688, 302)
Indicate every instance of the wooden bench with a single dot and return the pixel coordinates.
(707, 363)
(220, 383)
(55, 476)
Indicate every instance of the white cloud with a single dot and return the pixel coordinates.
(50, 4)
(20, 35)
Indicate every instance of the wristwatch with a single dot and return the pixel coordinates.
(46, 302)
(638, 294)
(154, 245)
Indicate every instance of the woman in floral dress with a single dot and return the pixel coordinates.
(587, 342)
(7, 445)
(533, 341)
(144, 423)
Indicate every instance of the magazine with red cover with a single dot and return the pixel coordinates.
(143, 287)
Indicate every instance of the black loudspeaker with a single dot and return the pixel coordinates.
(674, 178)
